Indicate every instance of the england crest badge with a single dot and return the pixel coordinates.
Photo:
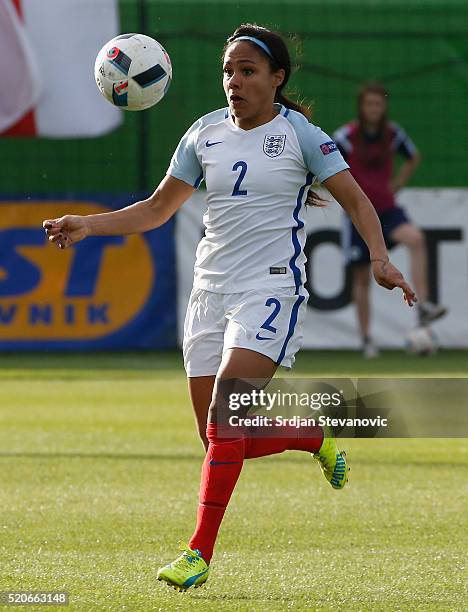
(273, 145)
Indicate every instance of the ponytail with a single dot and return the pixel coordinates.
(281, 98)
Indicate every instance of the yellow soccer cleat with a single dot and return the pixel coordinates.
(332, 461)
(190, 569)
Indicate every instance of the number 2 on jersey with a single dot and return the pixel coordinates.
(242, 166)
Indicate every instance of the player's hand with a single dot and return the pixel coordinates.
(66, 230)
(390, 277)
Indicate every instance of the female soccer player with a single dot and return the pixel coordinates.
(369, 145)
(258, 158)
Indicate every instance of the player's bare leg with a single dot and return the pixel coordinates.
(413, 238)
(201, 391)
(361, 278)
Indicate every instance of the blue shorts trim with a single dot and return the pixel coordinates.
(292, 325)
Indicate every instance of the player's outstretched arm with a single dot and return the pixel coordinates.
(135, 219)
(347, 192)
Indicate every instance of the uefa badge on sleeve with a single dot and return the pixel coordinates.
(273, 145)
(328, 147)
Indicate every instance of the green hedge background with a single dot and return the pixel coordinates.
(418, 49)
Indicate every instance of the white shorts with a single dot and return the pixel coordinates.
(269, 323)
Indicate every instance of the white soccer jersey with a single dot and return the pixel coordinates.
(256, 183)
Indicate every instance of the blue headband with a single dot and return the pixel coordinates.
(256, 41)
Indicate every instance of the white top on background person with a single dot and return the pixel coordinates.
(256, 185)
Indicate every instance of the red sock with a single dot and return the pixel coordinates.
(294, 440)
(221, 469)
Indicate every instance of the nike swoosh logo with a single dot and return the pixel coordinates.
(212, 144)
(213, 462)
(261, 338)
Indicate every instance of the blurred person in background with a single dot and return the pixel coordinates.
(370, 144)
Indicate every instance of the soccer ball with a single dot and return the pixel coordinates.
(133, 71)
(421, 341)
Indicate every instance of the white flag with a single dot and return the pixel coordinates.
(52, 45)
(21, 82)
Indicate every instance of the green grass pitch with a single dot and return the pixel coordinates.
(100, 462)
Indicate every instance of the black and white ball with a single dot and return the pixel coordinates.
(421, 341)
(133, 71)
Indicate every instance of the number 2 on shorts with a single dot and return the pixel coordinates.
(267, 325)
